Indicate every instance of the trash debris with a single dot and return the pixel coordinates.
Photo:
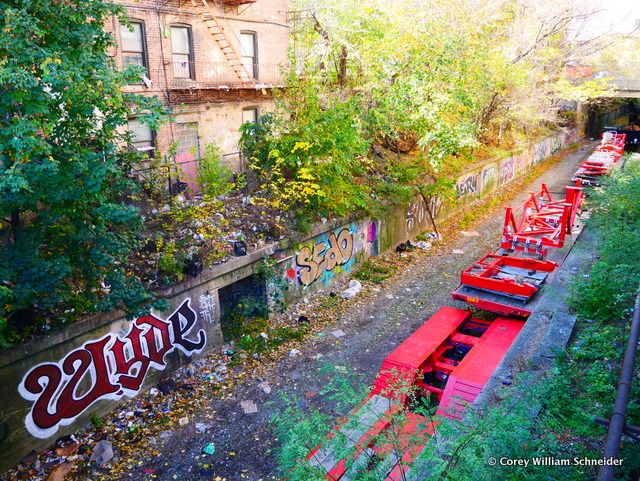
(303, 319)
(60, 472)
(249, 407)
(164, 435)
(264, 386)
(201, 427)
(66, 445)
(294, 352)
(315, 357)
(458, 251)
(68, 449)
(209, 449)
(352, 291)
(423, 245)
(405, 246)
(183, 421)
(338, 333)
(167, 386)
(469, 233)
(102, 453)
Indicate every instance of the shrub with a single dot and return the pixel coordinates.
(213, 176)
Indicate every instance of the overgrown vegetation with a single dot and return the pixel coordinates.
(392, 101)
(540, 415)
(374, 271)
(384, 103)
(67, 225)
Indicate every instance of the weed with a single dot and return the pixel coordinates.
(374, 271)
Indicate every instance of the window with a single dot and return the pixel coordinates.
(249, 49)
(181, 47)
(133, 45)
(250, 115)
(142, 138)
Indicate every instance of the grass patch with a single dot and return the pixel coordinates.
(258, 336)
(376, 271)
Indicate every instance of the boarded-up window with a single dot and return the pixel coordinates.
(187, 137)
(182, 52)
(133, 45)
(249, 49)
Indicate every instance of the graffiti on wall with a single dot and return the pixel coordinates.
(416, 214)
(541, 151)
(105, 369)
(570, 137)
(489, 175)
(521, 163)
(207, 307)
(324, 256)
(556, 145)
(506, 171)
(468, 185)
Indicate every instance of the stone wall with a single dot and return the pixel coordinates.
(108, 357)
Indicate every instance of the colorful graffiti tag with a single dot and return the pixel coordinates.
(313, 261)
(506, 171)
(108, 368)
(468, 185)
(541, 151)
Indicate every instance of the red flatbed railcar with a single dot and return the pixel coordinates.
(448, 359)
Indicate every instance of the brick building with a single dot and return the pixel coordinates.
(214, 62)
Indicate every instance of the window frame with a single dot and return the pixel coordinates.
(255, 70)
(246, 109)
(192, 58)
(145, 50)
(150, 153)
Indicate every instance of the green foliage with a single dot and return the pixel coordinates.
(213, 176)
(394, 101)
(310, 155)
(300, 430)
(63, 177)
(96, 421)
(609, 290)
(373, 270)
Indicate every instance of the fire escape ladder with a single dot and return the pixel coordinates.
(217, 32)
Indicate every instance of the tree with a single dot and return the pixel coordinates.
(67, 227)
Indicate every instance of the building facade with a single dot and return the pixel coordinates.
(215, 63)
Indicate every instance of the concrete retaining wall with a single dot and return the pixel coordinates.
(52, 386)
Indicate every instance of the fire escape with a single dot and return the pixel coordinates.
(227, 78)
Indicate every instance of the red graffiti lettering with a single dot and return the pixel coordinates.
(108, 368)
